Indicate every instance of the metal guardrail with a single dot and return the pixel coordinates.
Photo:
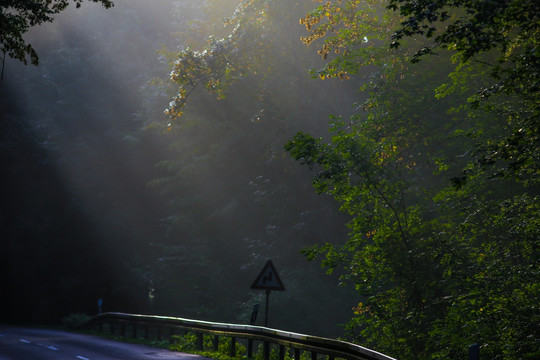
(130, 324)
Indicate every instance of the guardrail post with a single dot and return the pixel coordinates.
(172, 333)
(200, 342)
(281, 352)
(296, 354)
(266, 350)
(215, 342)
(474, 352)
(250, 348)
(313, 355)
(232, 350)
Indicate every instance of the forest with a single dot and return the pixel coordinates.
(384, 154)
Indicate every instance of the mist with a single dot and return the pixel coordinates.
(102, 199)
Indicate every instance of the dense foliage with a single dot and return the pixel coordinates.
(440, 264)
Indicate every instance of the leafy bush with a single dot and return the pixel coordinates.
(74, 321)
(188, 343)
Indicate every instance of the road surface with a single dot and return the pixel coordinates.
(17, 343)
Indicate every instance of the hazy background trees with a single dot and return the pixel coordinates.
(103, 201)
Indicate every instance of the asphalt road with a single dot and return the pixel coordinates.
(17, 343)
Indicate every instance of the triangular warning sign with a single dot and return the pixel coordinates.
(268, 279)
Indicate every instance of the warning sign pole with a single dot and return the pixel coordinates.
(268, 279)
(266, 308)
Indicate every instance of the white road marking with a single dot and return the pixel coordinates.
(82, 358)
(25, 341)
(50, 347)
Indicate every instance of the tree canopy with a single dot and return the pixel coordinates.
(18, 16)
(439, 170)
